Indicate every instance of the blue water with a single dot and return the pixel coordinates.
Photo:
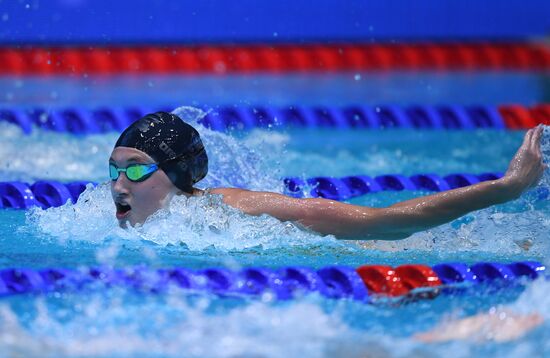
(339, 89)
(201, 232)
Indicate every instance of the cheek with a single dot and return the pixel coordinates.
(153, 194)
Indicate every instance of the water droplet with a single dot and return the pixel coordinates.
(357, 77)
(43, 118)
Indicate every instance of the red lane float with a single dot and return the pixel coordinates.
(382, 279)
(520, 117)
(221, 59)
(389, 281)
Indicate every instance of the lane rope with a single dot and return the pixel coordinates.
(223, 59)
(363, 283)
(81, 121)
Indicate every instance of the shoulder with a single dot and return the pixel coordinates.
(231, 196)
(252, 202)
(228, 192)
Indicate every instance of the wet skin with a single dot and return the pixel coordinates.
(135, 201)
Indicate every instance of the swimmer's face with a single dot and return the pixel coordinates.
(136, 201)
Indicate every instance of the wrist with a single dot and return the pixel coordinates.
(510, 187)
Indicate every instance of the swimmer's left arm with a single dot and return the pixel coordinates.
(346, 221)
(401, 220)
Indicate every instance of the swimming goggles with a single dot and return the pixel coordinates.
(134, 172)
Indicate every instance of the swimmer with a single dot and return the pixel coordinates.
(160, 156)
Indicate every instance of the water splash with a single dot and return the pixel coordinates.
(535, 299)
(99, 326)
(33, 157)
(198, 223)
(486, 231)
(232, 163)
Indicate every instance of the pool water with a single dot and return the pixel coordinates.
(202, 232)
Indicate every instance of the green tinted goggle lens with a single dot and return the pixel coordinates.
(134, 172)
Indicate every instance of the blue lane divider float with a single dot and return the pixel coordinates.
(48, 193)
(44, 194)
(78, 120)
(285, 283)
(353, 186)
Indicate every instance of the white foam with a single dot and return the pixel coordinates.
(535, 299)
(104, 327)
(488, 231)
(232, 163)
(196, 222)
(49, 155)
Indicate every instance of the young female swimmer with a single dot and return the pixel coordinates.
(160, 156)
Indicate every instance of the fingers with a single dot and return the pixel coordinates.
(535, 138)
(527, 137)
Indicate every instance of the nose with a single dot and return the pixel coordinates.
(120, 186)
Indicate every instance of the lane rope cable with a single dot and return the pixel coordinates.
(363, 283)
(80, 121)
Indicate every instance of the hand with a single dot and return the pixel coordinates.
(526, 168)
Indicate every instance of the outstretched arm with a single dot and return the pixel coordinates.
(398, 221)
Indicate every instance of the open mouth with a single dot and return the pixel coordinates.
(122, 210)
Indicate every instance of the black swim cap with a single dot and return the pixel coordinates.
(173, 144)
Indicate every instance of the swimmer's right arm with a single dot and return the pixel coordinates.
(401, 220)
